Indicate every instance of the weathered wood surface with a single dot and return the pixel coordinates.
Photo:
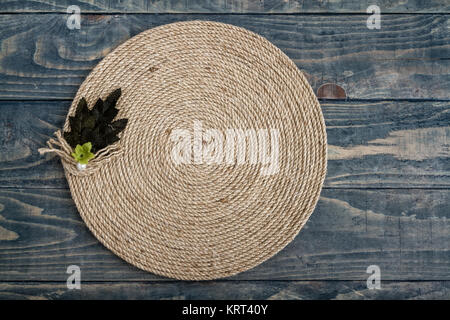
(227, 6)
(404, 232)
(211, 290)
(408, 58)
(371, 144)
(386, 199)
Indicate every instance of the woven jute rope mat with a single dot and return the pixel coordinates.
(199, 217)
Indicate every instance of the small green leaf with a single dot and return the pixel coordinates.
(83, 153)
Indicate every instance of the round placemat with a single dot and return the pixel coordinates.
(195, 218)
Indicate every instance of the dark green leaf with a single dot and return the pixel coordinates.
(112, 99)
(96, 125)
(98, 107)
(119, 124)
(82, 108)
(110, 114)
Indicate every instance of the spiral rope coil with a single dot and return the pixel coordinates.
(200, 221)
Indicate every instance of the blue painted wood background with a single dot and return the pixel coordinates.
(385, 97)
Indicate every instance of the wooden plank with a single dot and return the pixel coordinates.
(370, 144)
(404, 232)
(226, 6)
(408, 58)
(228, 290)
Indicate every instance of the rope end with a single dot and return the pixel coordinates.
(44, 150)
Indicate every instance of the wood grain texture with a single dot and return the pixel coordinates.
(408, 58)
(404, 232)
(226, 6)
(370, 144)
(386, 199)
(229, 290)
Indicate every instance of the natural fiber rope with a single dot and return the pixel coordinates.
(200, 221)
(64, 151)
